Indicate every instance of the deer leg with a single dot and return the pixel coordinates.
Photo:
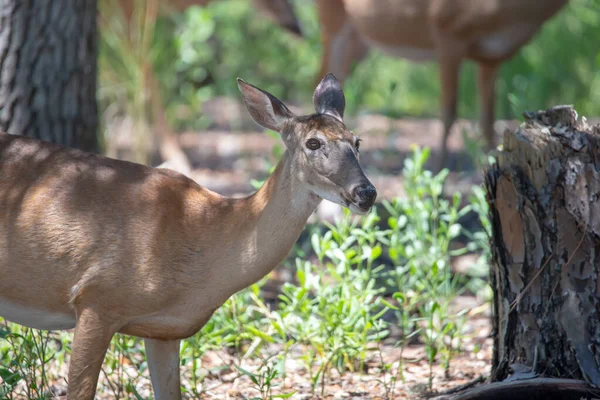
(163, 363)
(342, 44)
(449, 75)
(486, 85)
(169, 147)
(90, 342)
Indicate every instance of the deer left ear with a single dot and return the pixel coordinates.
(329, 98)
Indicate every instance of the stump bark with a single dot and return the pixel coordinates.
(545, 211)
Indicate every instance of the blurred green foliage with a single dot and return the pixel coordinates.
(207, 48)
(198, 54)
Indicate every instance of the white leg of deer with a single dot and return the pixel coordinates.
(486, 85)
(90, 342)
(449, 76)
(163, 363)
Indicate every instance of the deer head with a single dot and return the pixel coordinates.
(323, 152)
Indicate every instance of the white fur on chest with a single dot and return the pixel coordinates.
(35, 318)
(503, 42)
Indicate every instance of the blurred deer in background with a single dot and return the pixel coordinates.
(137, 19)
(488, 32)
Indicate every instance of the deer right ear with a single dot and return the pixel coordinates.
(265, 109)
(329, 97)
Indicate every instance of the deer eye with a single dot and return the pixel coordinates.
(357, 144)
(313, 144)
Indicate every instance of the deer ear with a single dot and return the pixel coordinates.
(329, 98)
(265, 109)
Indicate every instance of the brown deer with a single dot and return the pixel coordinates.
(488, 32)
(107, 246)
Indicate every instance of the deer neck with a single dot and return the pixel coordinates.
(273, 219)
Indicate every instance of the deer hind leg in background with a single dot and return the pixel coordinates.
(167, 141)
(486, 86)
(129, 26)
(163, 363)
(342, 44)
(450, 59)
(169, 148)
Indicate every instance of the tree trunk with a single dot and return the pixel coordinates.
(545, 211)
(48, 71)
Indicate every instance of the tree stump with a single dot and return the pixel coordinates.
(545, 212)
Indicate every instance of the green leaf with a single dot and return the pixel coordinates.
(400, 297)
(260, 334)
(392, 222)
(431, 352)
(9, 377)
(454, 230)
(284, 395)
(435, 268)
(316, 244)
(402, 221)
(389, 305)
(393, 253)
(248, 374)
(376, 252)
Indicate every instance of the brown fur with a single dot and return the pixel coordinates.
(452, 30)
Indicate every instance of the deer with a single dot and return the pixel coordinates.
(108, 246)
(487, 32)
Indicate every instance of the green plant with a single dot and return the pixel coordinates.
(24, 356)
(423, 226)
(335, 306)
(124, 366)
(265, 380)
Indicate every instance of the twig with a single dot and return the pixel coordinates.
(516, 301)
(520, 295)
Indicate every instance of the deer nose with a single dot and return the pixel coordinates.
(364, 195)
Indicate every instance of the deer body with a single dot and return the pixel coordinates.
(128, 234)
(448, 31)
(107, 246)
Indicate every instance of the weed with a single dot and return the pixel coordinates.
(264, 380)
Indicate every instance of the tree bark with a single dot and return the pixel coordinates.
(48, 55)
(543, 195)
